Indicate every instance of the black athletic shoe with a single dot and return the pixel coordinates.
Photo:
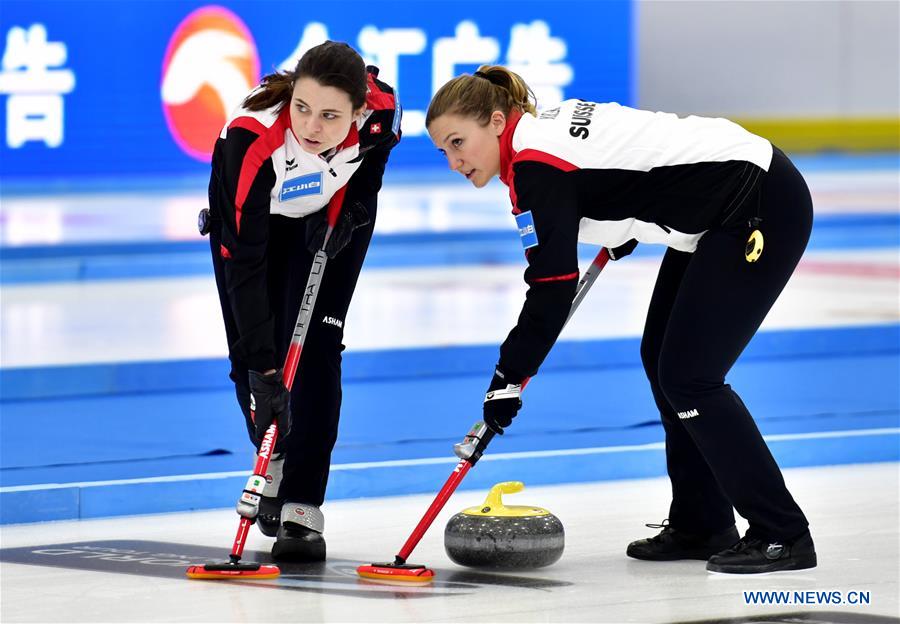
(754, 556)
(295, 542)
(269, 518)
(672, 544)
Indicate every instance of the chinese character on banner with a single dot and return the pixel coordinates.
(34, 108)
(468, 47)
(383, 49)
(536, 56)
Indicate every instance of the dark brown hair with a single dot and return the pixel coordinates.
(331, 64)
(493, 88)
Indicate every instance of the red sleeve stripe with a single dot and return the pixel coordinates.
(557, 278)
(543, 157)
(248, 123)
(259, 152)
(376, 99)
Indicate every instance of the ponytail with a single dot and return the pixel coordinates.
(273, 90)
(491, 88)
(520, 94)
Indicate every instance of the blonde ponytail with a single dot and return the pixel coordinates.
(521, 95)
(492, 88)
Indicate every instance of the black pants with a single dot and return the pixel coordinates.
(705, 308)
(316, 393)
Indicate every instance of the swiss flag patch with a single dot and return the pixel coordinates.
(375, 128)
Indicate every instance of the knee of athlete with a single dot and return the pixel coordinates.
(315, 424)
(321, 357)
(680, 382)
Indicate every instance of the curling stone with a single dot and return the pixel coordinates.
(493, 535)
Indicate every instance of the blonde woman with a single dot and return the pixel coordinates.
(735, 215)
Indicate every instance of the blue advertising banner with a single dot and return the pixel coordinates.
(143, 87)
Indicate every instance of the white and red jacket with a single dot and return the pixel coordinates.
(260, 169)
(605, 174)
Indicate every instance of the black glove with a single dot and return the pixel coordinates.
(353, 215)
(502, 402)
(617, 253)
(270, 400)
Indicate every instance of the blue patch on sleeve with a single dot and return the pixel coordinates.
(304, 185)
(398, 113)
(525, 222)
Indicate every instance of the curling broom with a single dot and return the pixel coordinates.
(469, 451)
(248, 505)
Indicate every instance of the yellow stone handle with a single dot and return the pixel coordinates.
(494, 498)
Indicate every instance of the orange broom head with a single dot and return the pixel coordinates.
(232, 571)
(407, 573)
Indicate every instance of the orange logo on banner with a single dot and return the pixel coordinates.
(210, 66)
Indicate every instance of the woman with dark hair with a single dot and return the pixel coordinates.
(708, 190)
(301, 141)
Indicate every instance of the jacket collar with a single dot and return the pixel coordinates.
(351, 139)
(506, 150)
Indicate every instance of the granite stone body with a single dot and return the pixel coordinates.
(504, 541)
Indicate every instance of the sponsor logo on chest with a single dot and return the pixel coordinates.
(301, 186)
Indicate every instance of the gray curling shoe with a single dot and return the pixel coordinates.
(299, 537)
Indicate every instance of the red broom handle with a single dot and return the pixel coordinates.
(440, 500)
(292, 360)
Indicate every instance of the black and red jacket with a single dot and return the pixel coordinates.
(605, 174)
(260, 169)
